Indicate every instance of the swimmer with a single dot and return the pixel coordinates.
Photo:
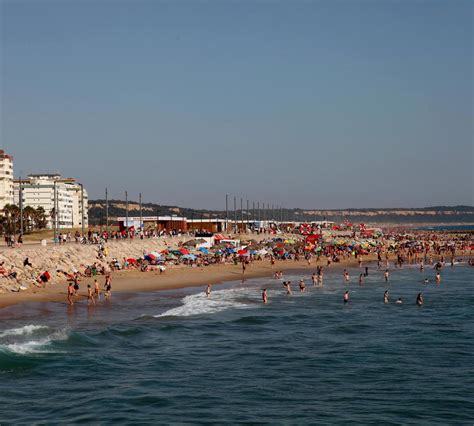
(302, 286)
(386, 275)
(208, 291)
(386, 297)
(264, 296)
(346, 276)
(427, 280)
(438, 277)
(399, 301)
(346, 297)
(419, 299)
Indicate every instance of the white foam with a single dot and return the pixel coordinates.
(199, 304)
(26, 330)
(35, 345)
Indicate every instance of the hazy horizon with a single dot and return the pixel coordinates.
(313, 105)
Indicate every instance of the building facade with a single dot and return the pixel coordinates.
(6, 179)
(46, 190)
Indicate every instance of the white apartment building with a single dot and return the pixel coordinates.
(6, 179)
(39, 191)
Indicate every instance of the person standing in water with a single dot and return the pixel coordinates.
(302, 286)
(208, 291)
(264, 296)
(386, 275)
(419, 299)
(96, 289)
(361, 279)
(314, 279)
(70, 293)
(90, 295)
(346, 276)
(287, 285)
(108, 286)
(438, 277)
(346, 297)
(386, 297)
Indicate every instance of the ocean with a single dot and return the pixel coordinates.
(306, 358)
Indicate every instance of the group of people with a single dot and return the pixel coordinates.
(92, 293)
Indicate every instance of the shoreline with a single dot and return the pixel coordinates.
(174, 278)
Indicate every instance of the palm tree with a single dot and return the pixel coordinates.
(10, 219)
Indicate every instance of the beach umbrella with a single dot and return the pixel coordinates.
(132, 260)
(204, 250)
(242, 252)
(171, 256)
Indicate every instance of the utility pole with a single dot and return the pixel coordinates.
(55, 216)
(21, 207)
(258, 208)
(241, 214)
(253, 211)
(106, 210)
(141, 215)
(227, 212)
(126, 212)
(247, 213)
(235, 215)
(82, 208)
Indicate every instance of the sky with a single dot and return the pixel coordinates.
(311, 104)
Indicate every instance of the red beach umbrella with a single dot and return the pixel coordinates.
(184, 251)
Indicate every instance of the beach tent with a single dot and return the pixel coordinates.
(189, 257)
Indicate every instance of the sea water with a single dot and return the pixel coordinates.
(178, 357)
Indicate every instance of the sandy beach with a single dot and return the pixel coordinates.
(178, 276)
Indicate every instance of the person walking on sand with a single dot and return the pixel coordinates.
(264, 296)
(346, 297)
(386, 297)
(90, 295)
(208, 291)
(70, 293)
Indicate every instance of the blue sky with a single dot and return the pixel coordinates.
(316, 104)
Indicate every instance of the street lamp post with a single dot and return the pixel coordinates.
(106, 210)
(21, 207)
(55, 212)
(126, 212)
(82, 208)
